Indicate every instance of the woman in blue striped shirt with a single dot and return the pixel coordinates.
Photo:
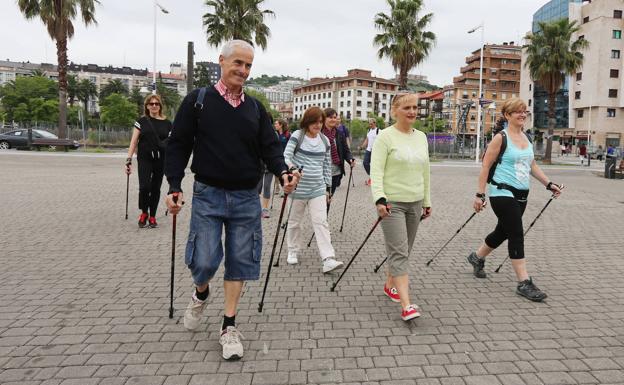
(309, 148)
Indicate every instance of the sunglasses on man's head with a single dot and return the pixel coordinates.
(153, 104)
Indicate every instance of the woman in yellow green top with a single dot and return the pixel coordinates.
(401, 192)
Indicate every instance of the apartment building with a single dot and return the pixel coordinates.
(10, 70)
(354, 96)
(501, 81)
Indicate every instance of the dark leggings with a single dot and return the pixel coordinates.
(367, 160)
(335, 183)
(150, 180)
(509, 213)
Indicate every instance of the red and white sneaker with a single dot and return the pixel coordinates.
(392, 293)
(410, 312)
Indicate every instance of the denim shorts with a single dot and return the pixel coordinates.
(236, 211)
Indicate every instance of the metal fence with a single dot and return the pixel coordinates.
(100, 136)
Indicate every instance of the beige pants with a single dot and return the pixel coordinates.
(318, 214)
(399, 230)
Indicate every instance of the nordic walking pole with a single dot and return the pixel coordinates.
(279, 223)
(173, 244)
(127, 192)
(346, 199)
(312, 237)
(449, 241)
(531, 225)
(377, 267)
(356, 253)
(284, 228)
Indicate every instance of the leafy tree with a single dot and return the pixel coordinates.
(403, 38)
(86, 91)
(136, 98)
(115, 86)
(58, 17)
(44, 110)
(551, 56)
(171, 99)
(268, 80)
(72, 89)
(236, 19)
(18, 95)
(262, 99)
(117, 111)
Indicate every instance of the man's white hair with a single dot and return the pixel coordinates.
(230, 46)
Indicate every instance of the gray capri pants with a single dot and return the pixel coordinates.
(399, 230)
(264, 186)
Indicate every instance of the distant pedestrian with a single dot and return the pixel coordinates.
(149, 140)
(508, 189)
(281, 127)
(400, 177)
(611, 153)
(582, 152)
(340, 151)
(309, 148)
(344, 130)
(367, 144)
(599, 153)
(229, 134)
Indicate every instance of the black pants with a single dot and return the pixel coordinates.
(367, 160)
(509, 227)
(335, 183)
(150, 179)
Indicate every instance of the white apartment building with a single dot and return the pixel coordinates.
(10, 70)
(354, 96)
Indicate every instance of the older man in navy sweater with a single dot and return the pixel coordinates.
(229, 134)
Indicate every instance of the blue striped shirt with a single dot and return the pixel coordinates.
(315, 157)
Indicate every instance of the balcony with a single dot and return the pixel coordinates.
(510, 78)
(469, 67)
(509, 66)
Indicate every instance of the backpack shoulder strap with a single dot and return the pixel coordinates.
(199, 103)
(325, 141)
(499, 158)
(299, 139)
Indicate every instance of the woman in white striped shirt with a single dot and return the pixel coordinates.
(309, 148)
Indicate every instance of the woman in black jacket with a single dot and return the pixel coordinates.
(340, 151)
(149, 140)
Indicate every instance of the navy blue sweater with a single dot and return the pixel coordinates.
(228, 144)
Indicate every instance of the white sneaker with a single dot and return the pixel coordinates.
(193, 313)
(330, 264)
(230, 341)
(292, 258)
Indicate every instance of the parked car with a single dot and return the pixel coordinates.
(40, 138)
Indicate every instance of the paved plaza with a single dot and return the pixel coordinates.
(84, 294)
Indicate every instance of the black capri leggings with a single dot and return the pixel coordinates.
(150, 179)
(509, 227)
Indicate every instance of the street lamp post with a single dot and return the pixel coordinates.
(482, 28)
(589, 127)
(163, 10)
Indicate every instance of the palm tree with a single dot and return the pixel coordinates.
(86, 91)
(115, 86)
(237, 19)
(72, 89)
(57, 16)
(403, 38)
(551, 56)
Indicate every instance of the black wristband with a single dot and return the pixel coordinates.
(173, 190)
(381, 201)
(549, 186)
(128, 161)
(480, 195)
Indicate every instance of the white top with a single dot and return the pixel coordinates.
(371, 136)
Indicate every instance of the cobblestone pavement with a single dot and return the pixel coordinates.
(84, 293)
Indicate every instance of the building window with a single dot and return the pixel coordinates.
(359, 92)
(617, 13)
(586, 19)
(329, 95)
(617, 34)
(358, 103)
(369, 104)
(615, 54)
(348, 103)
(610, 112)
(579, 76)
(530, 87)
(341, 94)
(614, 73)
(384, 96)
(529, 102)
(613, 93)
(383, 115)
(579, 113)
(577, 95)
(494, 95)
(358, 113)
(383, 106)
(349, 93)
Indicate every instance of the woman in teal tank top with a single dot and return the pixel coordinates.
(508, 189)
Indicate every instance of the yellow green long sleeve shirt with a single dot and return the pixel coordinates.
(400, 167)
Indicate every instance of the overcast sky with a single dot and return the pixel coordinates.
(326, 36)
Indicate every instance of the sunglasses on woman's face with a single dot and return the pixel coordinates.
(153, 104)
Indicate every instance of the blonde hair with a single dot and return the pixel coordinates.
(398, 99)
(147, 100)
(513, 105)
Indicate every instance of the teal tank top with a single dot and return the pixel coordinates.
(514, 169)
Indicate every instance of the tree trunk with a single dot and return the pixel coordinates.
(403, 77)
(552, 122)
(61, 53)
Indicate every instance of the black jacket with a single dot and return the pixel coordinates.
(344, 153)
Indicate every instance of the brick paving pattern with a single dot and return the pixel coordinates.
(84, 294)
